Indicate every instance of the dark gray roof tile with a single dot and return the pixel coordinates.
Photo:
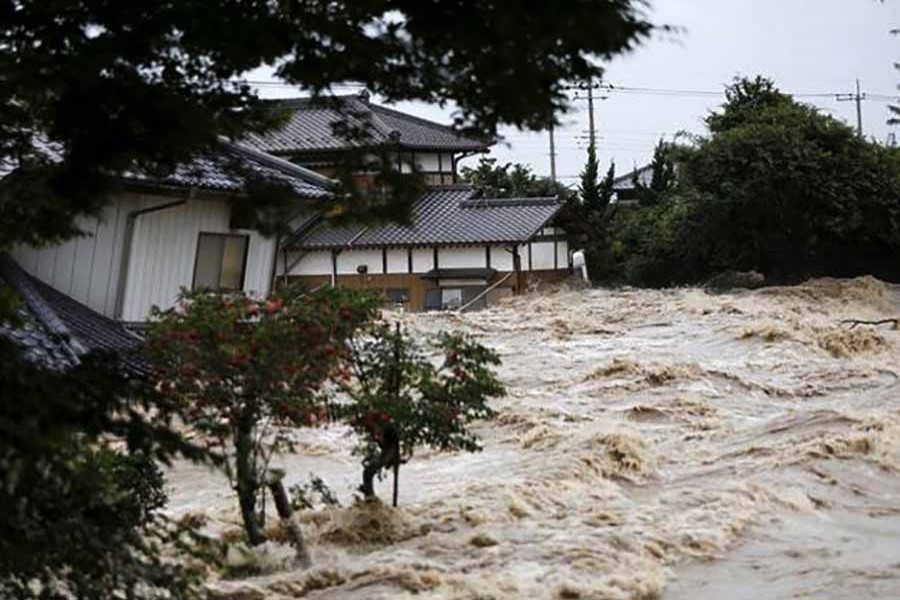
(227, 168)
(446, 216)
(321, 125)
(57, 330)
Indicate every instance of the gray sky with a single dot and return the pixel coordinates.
(806, 46)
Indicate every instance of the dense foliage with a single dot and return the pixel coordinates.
(81, 494)
(90, 88)
(776, 187)
(402, 399)
(241, 367)
(104, 86)
(510, 181)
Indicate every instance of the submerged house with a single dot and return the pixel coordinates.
(459, 249)
(159, 234)
(164, 232)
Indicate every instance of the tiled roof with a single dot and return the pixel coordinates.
(39, 344)
(417, 133)
(228, 167)
(461, 273)
(446, 216)
(225, 168)
(57, 330)
(626, 181)
(321, 125)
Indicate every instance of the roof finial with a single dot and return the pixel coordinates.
(363, 96)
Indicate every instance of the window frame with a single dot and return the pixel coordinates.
(456, 290)
(243, 281)
(392, 301)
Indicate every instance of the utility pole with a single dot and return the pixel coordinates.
(590, 99)
(589, 87)
(552, 155)
(858, 97)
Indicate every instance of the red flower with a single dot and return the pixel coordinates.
(238, 360)
(274, 305)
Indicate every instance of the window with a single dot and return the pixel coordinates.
(451, 298)
(221, 261)
(397, 295)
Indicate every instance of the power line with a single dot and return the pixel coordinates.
(606, 87)
(552, 155)
(858, 98)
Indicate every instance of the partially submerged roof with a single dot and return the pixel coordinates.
(228, 168)
(57, 331)
(452, 215)
(321, 125)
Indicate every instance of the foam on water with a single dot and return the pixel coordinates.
(654, 444)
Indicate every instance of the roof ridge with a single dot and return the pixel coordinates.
(525, 201)
(421, 121)
(277, 163)
(304, 100)
(19, 280)
(376, 121)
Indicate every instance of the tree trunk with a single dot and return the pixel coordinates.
(388, 456)
(247, 484)
(283, 506)
(396, 483)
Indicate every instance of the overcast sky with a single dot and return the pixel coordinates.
(806, 46)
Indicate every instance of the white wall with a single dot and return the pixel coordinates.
(501, 259)
(541, 256)
(423, 260)
(85, 268)
(164, 249)
(470, 256)
(398, 260)
(312, 263)
(562, 254)
(349, 260)
(319, 262)
(429, 162)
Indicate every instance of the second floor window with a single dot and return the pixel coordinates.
(221, 261)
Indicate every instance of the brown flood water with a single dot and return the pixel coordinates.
(654, 445)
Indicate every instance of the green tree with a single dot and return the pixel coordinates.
(662, 176)
(82, 515)
(243, 367)
(511, 180)
(607, 186)
(589, 189)
(745, 101)
(401, 400)
(91, 88)
(777, 187)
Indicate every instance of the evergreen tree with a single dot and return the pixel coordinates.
(662, 176)
(589, 189)
(607, 188)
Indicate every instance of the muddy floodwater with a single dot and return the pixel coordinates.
(665, 445)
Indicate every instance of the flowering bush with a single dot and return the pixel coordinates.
(241, 367)
(402, 400)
